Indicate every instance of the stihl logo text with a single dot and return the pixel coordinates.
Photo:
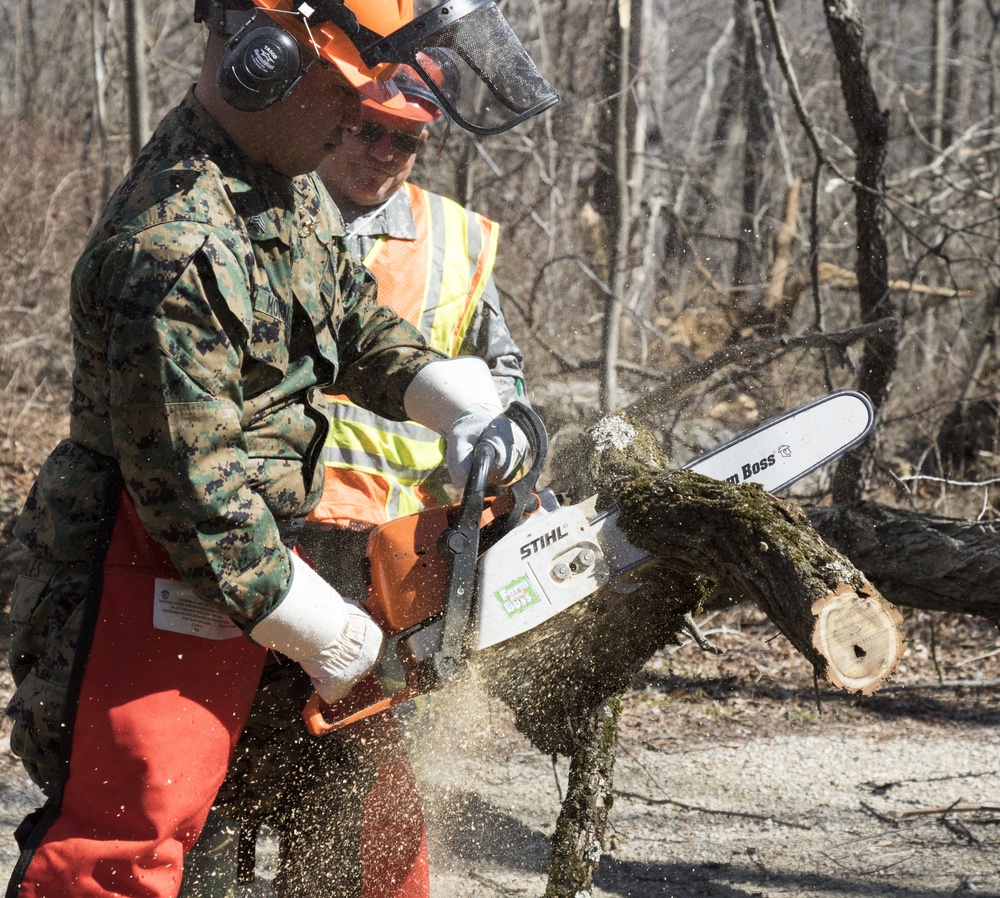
(748, 470)
(546, 539)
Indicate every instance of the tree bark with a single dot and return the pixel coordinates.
(777, 306)
(871, 127)
(748, 261)
(611, 189)
(578, 841)
(98, 33)
(919, 560)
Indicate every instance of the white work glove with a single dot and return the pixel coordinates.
(458, 399)
(333, 641)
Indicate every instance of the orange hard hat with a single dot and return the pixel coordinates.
(421, 104)
(324, 26)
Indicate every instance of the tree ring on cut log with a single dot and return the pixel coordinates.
(856, 633)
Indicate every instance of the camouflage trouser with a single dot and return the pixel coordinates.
(309, 790)
(47, 611)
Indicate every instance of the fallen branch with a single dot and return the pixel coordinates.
(699, 531)
(951, 809)
(684, 806)
(936, 563)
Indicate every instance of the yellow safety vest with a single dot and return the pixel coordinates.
(377, 469)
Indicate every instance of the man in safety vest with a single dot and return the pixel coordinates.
(433, 261)
(212, 301)
(345, 806)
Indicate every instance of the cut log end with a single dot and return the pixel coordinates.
(857, 634)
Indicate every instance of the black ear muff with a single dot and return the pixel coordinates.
(260, 66)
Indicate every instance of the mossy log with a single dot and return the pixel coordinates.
(700, 532)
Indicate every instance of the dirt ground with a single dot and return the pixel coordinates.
(735, 777)
(731, 781)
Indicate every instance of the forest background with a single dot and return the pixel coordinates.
(736, 206)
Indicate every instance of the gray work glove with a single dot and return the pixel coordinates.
(458, 399)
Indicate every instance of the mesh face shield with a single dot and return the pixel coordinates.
(498, 85)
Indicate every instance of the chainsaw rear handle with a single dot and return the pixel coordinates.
(316, 713)
(525, 417)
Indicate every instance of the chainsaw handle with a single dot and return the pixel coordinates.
(459, 545)
(319, 721)
(484, 457)
(525, 417)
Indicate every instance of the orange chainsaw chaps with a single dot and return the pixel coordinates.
(408, 576)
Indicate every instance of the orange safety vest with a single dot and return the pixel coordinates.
(377, 469)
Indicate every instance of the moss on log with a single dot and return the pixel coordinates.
(578, 842)
(700, 532)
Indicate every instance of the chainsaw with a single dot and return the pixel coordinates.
(450, 581)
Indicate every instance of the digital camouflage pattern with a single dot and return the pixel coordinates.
(211, 300)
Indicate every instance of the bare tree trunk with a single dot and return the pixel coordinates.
(138, 79)
(578, 841)
(464, 173)
(98, 33)
(644, 183)
(611, 192)
(731, 98)
(958, 86)
(871, 127)
(776, 307)
(991, 56)
(690, 154)
(747, 265)
(26, 60)
(940, 13)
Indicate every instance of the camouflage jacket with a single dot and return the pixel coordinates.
(211, 300)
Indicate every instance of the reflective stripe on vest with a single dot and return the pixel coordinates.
(377, 469)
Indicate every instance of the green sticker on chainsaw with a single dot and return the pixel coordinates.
(516, 596)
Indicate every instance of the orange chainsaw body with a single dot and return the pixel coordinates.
(421, 571)
(407, 583)
(408, 575)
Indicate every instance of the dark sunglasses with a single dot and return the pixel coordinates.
(372, 132)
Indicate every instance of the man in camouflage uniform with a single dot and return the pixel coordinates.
(212, 299)
(433, 261)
